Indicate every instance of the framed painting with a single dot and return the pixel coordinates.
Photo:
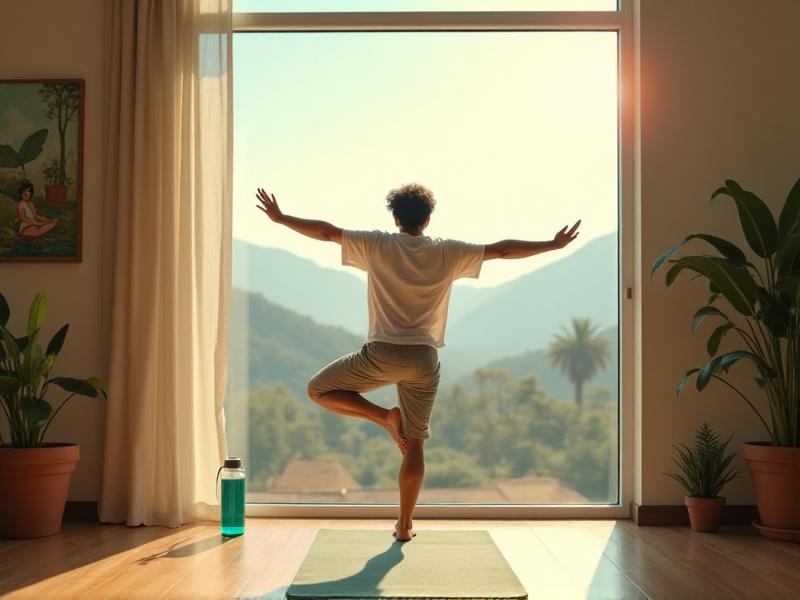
(41, 169)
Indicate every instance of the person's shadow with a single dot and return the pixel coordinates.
(365, 581)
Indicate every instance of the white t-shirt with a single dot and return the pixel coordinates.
(409, 279)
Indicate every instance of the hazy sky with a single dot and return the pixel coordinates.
(514, 132)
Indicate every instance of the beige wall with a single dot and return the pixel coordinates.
(39, 39)
(720, 99)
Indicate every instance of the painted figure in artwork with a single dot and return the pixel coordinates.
(30, 223)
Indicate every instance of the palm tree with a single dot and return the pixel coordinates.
(579, 354)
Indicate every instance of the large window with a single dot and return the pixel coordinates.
(517, 134)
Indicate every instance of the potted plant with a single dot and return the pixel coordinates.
(34, 475)
(61, 104)
(56, 188)
(703, 477)
(762, 314)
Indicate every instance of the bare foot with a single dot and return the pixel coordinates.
(397, 526)
(393, 422)
(403, 535)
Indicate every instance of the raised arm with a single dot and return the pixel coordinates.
(523, 249)
(319, 230)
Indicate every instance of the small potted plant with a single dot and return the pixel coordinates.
(34, 475)
(703, 477)
(56, 183)
(755, 299)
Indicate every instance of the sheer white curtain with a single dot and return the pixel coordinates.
(168, 236)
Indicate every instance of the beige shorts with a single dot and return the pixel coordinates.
(414, 369)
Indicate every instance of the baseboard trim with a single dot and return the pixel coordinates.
(677, 514)
(646, 514)
(76, 510)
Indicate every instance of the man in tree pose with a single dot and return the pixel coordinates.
(410, 278)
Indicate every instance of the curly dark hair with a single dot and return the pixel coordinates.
(412, 204)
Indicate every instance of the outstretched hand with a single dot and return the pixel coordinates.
(269, 205)
(564, 237)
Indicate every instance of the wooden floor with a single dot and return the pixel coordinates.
(553, 559)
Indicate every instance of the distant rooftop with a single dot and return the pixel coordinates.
(320, 476)
(329, 481)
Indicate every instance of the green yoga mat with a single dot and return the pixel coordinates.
(438, 565)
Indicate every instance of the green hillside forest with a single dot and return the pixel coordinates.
(494, 423)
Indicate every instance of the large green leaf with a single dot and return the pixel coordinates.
(99, 384)
(730, 261)
(76, 386)
(49, 361)
(22, 343)
(8, 157)
(57, 341)
(773, 313)
(35, 409)
(757, 221)
(788, 284)
(37, 313)
(703, 312)
(5, 311)
(720, 364)
(9, 385)
(716, 337)
(36, 366)
(32, 146)
(684, 380)
(724, 247)
(788, 255)
(12, 348)
(735, 283)
(790, 214)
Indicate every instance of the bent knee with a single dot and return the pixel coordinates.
(415, 444)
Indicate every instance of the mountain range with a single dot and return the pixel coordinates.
(483, 323)
(299, 283)
(291, 316)
(552, 380)
(271, 344)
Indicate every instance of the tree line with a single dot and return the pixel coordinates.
(485, 428)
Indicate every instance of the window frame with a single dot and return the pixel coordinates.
(620, 21)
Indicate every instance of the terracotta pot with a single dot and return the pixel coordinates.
(35, 483)
(775, 472)
(56, 195)
(704, 513)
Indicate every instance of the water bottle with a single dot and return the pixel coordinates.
(233, 490)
